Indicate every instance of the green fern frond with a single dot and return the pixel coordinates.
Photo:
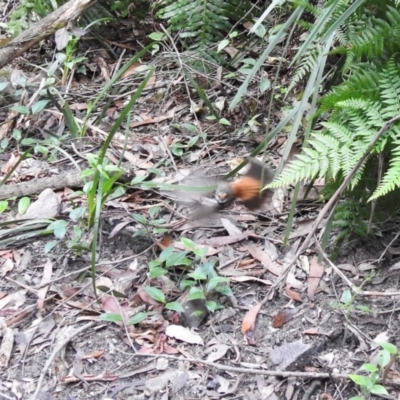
(308, 62)
(391, 179)
(202, 23)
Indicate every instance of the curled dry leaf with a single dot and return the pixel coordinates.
(249, 323)
(245, 278)
(292, 294)
(184, 334)
(110, 305)
(217, 351)
(47, 272)
(282, 317)
(258, 254)
(316, 273)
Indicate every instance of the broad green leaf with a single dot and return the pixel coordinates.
(222, 45)
(175, 306)
(346, 297)
(166, 253)
(391, 348)
(196, 295)
(3, 206)
(39, 106)
(225, 290)
(50, 246)
(23, 205)
(110, 317)
(59, 228)
(197, 276)
(360, 380)
(21, 109)
(188, 243)
(156, 272)
(212, 306)
(379, 389)
(155, 293)
(77, 213)
(139, 317)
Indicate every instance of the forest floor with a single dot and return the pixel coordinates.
(323, 322)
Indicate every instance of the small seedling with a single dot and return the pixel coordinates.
(368, 383)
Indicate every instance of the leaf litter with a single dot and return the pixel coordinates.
(45, 303)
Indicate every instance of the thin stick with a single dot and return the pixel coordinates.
(54, 354)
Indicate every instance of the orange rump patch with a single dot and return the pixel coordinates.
(246, 188)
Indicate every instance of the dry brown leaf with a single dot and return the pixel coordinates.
(165, 241)
(223, 240)
(284, 316)
(293, 295)
(184, 334)
(257, 253)
(46, 278)
(249, 323)
(150, 120)
(245, 278)
(110, 305)
(316, 273)
(7, 266)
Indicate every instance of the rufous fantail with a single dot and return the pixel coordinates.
(247, 188)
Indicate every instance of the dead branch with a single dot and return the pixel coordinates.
(45, 27)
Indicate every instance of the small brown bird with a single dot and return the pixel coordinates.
(247, 189)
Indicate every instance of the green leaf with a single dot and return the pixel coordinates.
(200, 252)
(196, 294)
(3, 85)
(157, 36)
(186, 283)
(346, 297)
(138, 179)
(369, 367)
(59, 228)
(214, 282)
(110, 317)
(224, 121)
(212, 306)
(21, 109)
(166, 253)
(175, 306)
(155, 294)
(23, 205)
(188, 243)
(3, 206)
(140, 218)
(360, 380)
(139, 317)
(153, 211)
(225, 290)
(155, 263)
(77, 213)
(391, 348)
(265, 84)
(363, 308)
(198, 276)
(222, 45)
(50, 246)
(39, 106)
(193, 141)
(378, 389)
(383, 358)
(178, 259)
(156, 272)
